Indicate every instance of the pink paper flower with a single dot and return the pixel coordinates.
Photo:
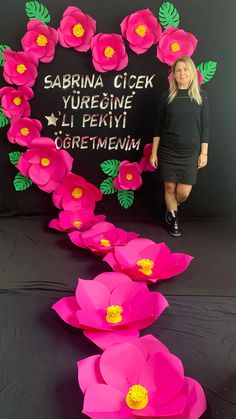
(15, 101)
(40, 41)
(44, 164)
(111, 308)
(102, 237)
(138, 379)
(20, 68)
(75, 220)
(108, 52)
(76, 29)
(75, 193)
(144, 163)
(142, 30)
(199, 76)
(143, 259)
(24, 130)
(174, 44)
(129, 176)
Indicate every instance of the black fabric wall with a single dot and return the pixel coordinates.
(212, 22)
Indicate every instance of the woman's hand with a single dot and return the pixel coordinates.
(154, 160)
(202, 160)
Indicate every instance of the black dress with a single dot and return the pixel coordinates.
(182, 126)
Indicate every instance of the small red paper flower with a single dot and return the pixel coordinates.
(15, 101)
(44, 164)
(75, 193)
(40, 41)
(174, 44)
(80, 220)
(24, 130)
(144, 163)
(142, 30)
(19, 68)
(109, 53)
(76, 29)
(129, 176)
(102, 238)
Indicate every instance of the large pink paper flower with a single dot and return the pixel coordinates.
(102, 237)
(143, 259)
(75, 193)
(174, 44)
(199, 77)
(129, 176)
(108, 52)
(75, 220)
(76, 29)
(139, 379)
(144, 163)
(24, 130)
(40, 41)
(15, 101)
(142, 30)
(19, 68)
(44, 164)
(111, 308)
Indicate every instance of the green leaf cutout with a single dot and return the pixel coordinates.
(21, 182)
(125, 198)
(14, 157)
(107, 186)
(168, 15)
(36, 10)
(3, 119)
(110, 167)
(207, 70)
(2, 48)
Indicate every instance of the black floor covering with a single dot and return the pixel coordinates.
(39, 352)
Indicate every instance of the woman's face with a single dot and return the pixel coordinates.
(182, 75)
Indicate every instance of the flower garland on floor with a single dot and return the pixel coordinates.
(135, 376)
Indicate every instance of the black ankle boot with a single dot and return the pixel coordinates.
(174, 226)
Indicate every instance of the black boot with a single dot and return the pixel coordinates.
(172, 220)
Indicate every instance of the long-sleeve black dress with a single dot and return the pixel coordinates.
(182, 126)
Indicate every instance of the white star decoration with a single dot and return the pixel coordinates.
(52, 119)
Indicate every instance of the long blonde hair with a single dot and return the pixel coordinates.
(193, 89)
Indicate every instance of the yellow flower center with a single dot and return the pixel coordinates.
(146, 266)
(175, 47)
(114, 314)
(137, 397)
(21, 68)
(24, 131)
(141, 30)
(77, 223)
(17, 101)
(105, 243)
(109, 52)
(78, 30)
(77, 193)
(129, 176)
(45, 162)
(41, 41)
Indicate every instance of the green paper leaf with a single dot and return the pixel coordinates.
(2, 48)
(168, 15)
(207, 70)
(125, 198)
(3, 119)
(21, 182)
(110, 167)
(14, 157)
(36, 10)
(107, 186)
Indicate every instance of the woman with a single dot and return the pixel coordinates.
(180, 143)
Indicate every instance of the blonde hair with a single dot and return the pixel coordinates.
(193, 89)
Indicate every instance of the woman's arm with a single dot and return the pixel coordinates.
(203, 156)
(153, 157)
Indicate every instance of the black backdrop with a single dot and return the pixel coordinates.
(212, 22)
